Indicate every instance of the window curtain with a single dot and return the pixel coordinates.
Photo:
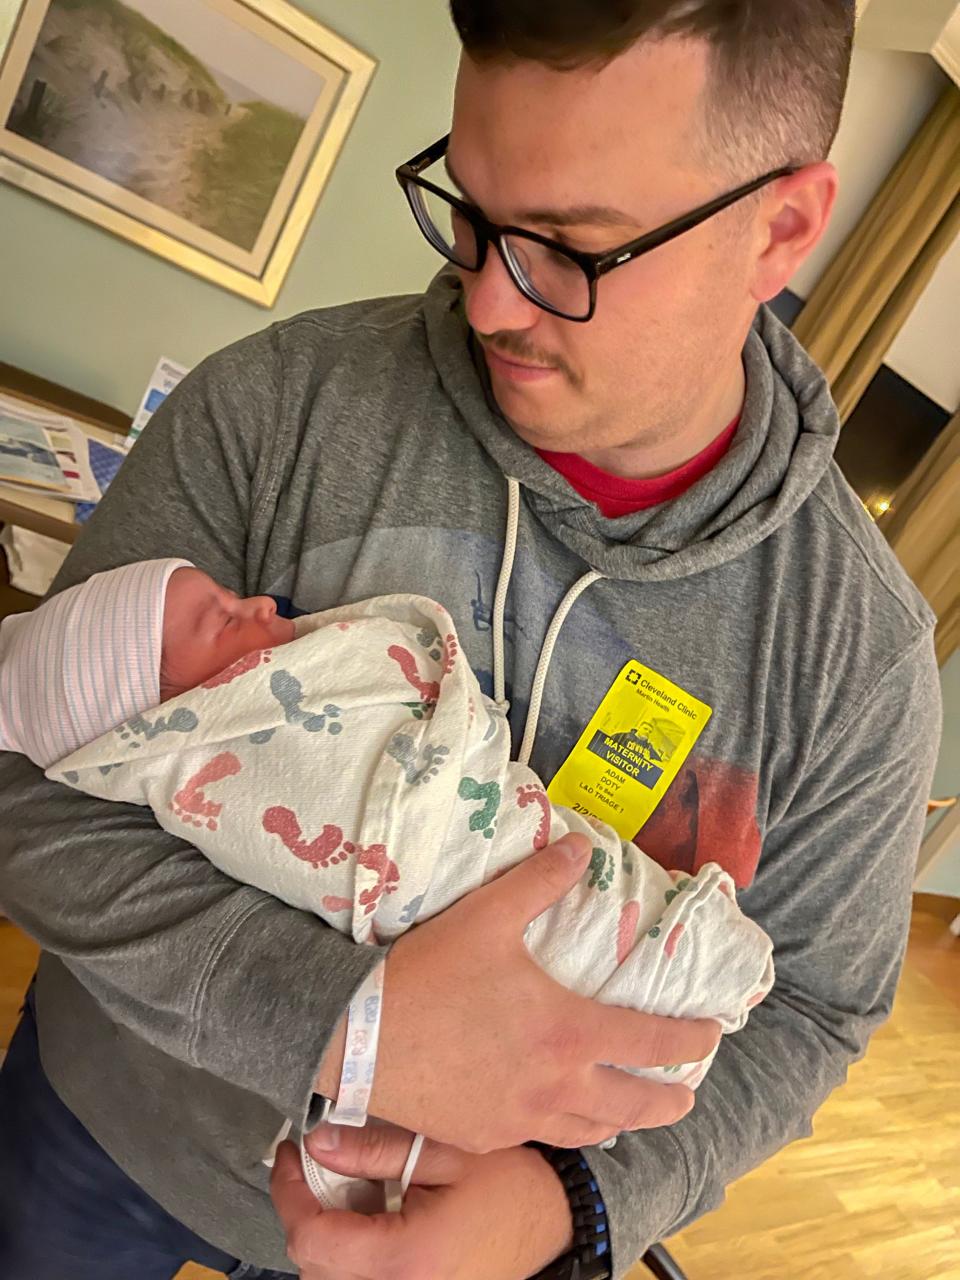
(868, 291)
(923, 527)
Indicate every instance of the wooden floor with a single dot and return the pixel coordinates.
(874, 1195)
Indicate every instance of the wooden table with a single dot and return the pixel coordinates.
(53, 516)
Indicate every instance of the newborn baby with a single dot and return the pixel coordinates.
(349, 765)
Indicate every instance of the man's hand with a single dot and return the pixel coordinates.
(501, 1216)
(481, 1049)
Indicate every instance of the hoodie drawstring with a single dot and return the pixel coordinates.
(550, 640)
(543, 664)
(503, 584)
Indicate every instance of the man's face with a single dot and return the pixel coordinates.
(670, 326)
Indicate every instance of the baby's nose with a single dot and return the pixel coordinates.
(260, 608)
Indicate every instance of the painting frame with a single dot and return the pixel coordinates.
(255, 271)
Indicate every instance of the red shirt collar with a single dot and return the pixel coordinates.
(617, 496)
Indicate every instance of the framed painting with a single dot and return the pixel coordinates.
(201, 130)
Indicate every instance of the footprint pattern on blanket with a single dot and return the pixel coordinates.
(288, 691)
(532, 794)
(627, 929)
(249, 662)
(416, 767)
(429, 690)
(409, 913)
(443, 650)
(190, 803)
(375, 858)
(485, 818)
(684, 882)
(673, 938)
(180, 720)
(325, 850)
(601, 870)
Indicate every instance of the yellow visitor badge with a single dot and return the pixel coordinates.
(631, 750)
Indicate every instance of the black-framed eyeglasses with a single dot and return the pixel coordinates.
(559, 279)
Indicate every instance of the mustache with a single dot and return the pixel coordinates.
(514, 345)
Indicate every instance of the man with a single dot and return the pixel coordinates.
(664, 435)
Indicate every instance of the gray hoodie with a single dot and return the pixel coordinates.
(351, 452)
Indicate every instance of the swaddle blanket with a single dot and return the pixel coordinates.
(359, 773)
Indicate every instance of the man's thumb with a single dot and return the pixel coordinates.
(543, 878)
(379, 1151)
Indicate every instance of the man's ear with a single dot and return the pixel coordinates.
(793, 218)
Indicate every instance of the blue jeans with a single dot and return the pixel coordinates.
(67, 1212)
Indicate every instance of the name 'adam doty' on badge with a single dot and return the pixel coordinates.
(631, 750)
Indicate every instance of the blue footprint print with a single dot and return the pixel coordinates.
(485, 818)
(403, 750)
(409, 913)
(182, 720)
(430, 639)
(288, 691)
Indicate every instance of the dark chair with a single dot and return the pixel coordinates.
(658, 1260)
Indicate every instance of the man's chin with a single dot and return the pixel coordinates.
(544, 436)
(537, 426)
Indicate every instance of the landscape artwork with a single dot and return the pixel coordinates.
(199, 119)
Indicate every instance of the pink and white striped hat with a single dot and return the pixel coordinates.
(83, 662)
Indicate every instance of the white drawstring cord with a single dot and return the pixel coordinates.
(395, 1191)
(543, 665)
(412, 1158)
(503, 584)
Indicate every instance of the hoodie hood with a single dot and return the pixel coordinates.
(784, 444)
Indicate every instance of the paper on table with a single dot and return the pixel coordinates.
(165, 377)
(72, 479)
(26, 455)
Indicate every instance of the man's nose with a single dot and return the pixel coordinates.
(493, 301)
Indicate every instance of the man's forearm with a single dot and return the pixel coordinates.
(246, 988)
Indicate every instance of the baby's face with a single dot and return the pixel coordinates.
(207, 628)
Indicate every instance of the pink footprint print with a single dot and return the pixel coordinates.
(323, 851)
(697, 1077)
(330, 902)
(239, 668)
(531, 794)
(429, 690)
(670, 947)
(627, 931)
(450, 651)
(388, 877)
(190, 803)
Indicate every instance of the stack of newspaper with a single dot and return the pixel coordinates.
(43, 453)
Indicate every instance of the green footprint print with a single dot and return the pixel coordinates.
(489, 793)
(601, 870)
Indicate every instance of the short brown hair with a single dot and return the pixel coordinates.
(779, 67)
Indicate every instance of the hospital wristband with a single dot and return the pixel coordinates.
(360, 1052)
